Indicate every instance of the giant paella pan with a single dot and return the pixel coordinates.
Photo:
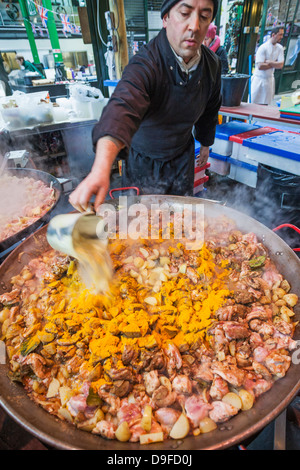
(248, 349)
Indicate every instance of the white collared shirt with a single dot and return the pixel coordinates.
(189, 67)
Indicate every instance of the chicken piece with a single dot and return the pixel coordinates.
(202, 372)
(255, 340)
(77, 404)
(235, 330)
(219, 340)
(151, 381)
(196, 409)
(38, 365)
(258, 311)
(231, 312)
(167, 417)
(229, 372)
(113, 402)
(243, 354)
(129, 412)
(9, 297)
(218, 388)
(106, 429)
(257, 386)
(192, 275)
(243, 296)
(260, 353)
(260, 369)
(137, 430)
(277, 363)
(120, 374)
(222, 411)
(174, 360)
(129, 355)
(271, 275)
(182, 384)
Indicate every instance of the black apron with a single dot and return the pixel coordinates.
(160, 176)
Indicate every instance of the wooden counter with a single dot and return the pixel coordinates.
(250, 111)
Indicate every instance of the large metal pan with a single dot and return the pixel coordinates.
(48, 180)
(268, 406)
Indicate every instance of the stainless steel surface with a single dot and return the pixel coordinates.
(268, 406)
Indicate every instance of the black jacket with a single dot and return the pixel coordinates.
(154, 108)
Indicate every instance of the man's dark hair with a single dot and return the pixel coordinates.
(276, 30)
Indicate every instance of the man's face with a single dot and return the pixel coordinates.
(186, 26)
(277, 37)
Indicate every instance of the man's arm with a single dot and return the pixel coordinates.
(118, 123)
(268, 64)
(98, 180)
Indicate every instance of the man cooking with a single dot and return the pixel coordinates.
(269, 56)
(169, 88)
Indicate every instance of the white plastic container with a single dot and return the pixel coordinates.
(244, 172)
(219, 164)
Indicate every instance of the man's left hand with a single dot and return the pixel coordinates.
(203, 156)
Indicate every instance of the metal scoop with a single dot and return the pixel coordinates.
(82, 236)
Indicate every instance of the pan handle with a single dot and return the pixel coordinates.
(123, 189)
(288, 226)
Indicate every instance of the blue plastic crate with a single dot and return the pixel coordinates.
(283, 144)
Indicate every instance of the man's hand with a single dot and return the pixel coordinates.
(98, 181)
(203, 155)
(92, 185)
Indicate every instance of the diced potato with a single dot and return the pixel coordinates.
(280, 303)
(285, 317)
(163, 277)
(279, 292)
(150, 264)
(181, 428)
(151, 301)
(123, 432)
(182, 268)
(146, 422)
(99, 415)
(233, 399)
(4, 314)
(53, 388)
(45, 337)
(207, 425)
(65, 394)
(144, 252)
(287, 311)
(196, 432)
(87, 425)
(133, 273)
(164, 260)
(138, 262)
(285, 285)
(151, 438)
(65, 414)
(247, 399)
(291, 299)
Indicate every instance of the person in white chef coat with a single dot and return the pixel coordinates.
(269, 56)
